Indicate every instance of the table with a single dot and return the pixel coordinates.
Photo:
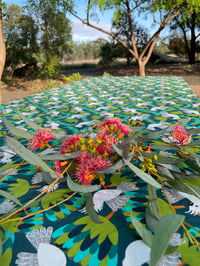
(64, 235)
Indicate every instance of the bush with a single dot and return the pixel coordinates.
(50, 68)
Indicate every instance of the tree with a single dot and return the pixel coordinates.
(55, 38)
(2, 44)
(177, 45)
(20, 33)
(188, 25)
(167, 10)
(120, 28)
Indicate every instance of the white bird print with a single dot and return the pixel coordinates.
(138, 253)
(161, 125)
(47, 254)
(112, 197)
(168, 115)
(89, 123)
(175, 196)
(7, 154)
(191, 111)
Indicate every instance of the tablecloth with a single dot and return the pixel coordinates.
(64, 235)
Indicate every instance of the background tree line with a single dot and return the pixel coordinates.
(41, 35)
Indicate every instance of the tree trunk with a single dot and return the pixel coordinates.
(141, 66)
(2, 48)
(193, 41)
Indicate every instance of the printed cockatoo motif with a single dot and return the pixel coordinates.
(112, 197)
(47, 254)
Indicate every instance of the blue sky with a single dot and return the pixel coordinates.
(81, 32)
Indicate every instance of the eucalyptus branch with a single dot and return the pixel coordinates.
(38, 196)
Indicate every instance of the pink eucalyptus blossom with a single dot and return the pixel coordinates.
(41, 138)
(181, 135)
(88, 166)
(69, 144)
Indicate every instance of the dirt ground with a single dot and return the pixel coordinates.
(18, 88)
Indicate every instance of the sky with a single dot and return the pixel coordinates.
(81, 32)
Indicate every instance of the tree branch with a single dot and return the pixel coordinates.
(152, 41)
(104, 31)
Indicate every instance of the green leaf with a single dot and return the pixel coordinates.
(7, 166)
(142, 231)
(152, 214)
(153, 202)
(81, 188)
(26, 154)
(164, 207)
(6, 257)
(19, 188)
(195, 142)
(58, 156)
(101, 3)
(118, 150)
(190, 255)
(114, 168)
(144, 176)
(169, 160)
(166, 227)
(32, 124)
(183, 187)
(193, 182)
(47, 178)
(90, 209)
(9, 196)
(162, 147)
(16, 131)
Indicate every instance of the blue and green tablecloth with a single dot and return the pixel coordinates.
(64, 235)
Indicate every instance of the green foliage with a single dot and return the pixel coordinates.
(50, 67)
(73, 77)
(139, 147)
(6, 257)
(20, 31)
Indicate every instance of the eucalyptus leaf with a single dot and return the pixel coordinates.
(183, 187)
(118, 150)
(146, 236)
(114, 168)
(47, 178)
(58, 156)
(170, 167)
(26, 154)
(81, 188)
(163, 147)
(9, 196)
(151, 220)
(90, 209)
(169, 160)
(195, 142)
(144, 176)
(153, 202)
(155, 134)
(193, 165)
(165, 229)
(16, 131)
(184, 122)
(32, 124)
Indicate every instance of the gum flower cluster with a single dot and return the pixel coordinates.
(89, 155)
(94, 153)
(41, 138)
(180, 134)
